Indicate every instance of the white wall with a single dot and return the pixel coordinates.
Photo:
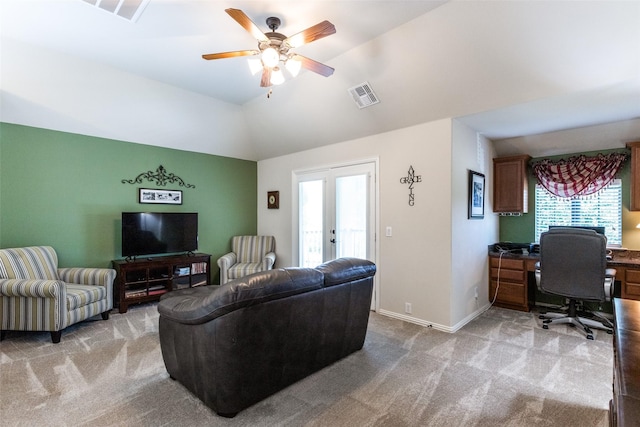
(415, 264)
(470, 237)
(56, 91)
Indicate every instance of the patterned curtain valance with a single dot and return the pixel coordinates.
(578, 175)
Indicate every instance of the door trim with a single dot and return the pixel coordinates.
(295, 247)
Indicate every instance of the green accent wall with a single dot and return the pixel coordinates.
(522, 228)
(65, 190)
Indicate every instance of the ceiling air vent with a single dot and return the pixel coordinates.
(363, 95)
(127, 9)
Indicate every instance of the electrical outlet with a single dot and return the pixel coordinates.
(407, 307)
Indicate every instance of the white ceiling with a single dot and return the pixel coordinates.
(506, 68)
(166, 43)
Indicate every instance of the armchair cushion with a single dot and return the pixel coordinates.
(242, 269)
(252, 249)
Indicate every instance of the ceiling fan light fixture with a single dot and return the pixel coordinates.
(270, 57)
(277, 78)
(293, 66)
(274, 48)
(255, 65)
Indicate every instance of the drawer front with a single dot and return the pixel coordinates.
(511, 275)
(633, 276)
(632, 284)
(632, 290)
(508, 263)
(508, 292)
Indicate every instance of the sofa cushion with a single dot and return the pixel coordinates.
(81, 295)
(35, 262)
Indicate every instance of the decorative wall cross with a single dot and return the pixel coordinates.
(411, 179)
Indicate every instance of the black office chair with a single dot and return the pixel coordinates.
(573, 264)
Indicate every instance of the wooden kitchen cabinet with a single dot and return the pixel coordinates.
(634, 203)
(510, 184)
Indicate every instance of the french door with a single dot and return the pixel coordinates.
(336, 214)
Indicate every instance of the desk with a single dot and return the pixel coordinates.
(517, 291)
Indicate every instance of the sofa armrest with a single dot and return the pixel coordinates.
(87, 276)
(225, 262)
(46, 297)
(92, 277)
(343, 270)
(268, 261)
(32, 288)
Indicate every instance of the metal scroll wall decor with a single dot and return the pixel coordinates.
(161, 177)
(411, 179)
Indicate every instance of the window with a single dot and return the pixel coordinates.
(601, 209)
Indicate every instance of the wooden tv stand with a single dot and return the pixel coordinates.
(147, 279)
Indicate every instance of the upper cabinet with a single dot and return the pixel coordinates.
(510, 184)
(634, 204)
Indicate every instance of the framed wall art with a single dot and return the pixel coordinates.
(166, 197)
(476, 195)
(273, 200)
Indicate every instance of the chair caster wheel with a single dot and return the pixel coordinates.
(545, 326)
(541, 316)
(590, 337)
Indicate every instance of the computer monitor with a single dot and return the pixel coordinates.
(597, 229)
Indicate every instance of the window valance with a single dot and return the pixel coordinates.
(579, 175)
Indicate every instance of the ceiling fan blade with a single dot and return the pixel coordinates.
(314, 66)
(233, 54)
(247, 24)
(265, 81)
(318, 31)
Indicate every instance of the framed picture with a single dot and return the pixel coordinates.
(476, 195)
(273, 200)
(166, 197)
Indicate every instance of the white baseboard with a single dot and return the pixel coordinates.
(437, 326)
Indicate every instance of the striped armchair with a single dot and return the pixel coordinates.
(249, 254)
(36, 295)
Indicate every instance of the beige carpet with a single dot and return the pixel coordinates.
(500, 370)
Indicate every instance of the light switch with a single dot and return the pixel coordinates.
(388, 233)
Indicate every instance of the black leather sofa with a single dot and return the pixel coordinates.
(234, 345)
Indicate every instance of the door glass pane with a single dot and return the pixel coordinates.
(311, 207)
(351, 216)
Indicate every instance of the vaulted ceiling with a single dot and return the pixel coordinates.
(506, 68)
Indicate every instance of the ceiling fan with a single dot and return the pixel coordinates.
(275, 48)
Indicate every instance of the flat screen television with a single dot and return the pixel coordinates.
(151, 233)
